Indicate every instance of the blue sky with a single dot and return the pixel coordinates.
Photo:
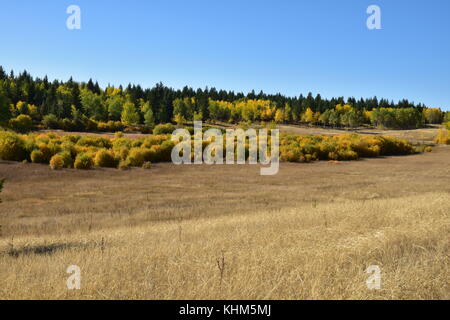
(292, 47)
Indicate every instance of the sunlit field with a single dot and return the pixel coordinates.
(226, 232)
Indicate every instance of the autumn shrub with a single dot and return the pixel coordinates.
(44, 138)
(136, 157)
(12, 146)
(347, 154)
(443, 137)
(50, 121)
(22, 123)
(103, 126)
(306, 148)
(120, 142)
(166, 128)
(290, 154)
(122, 153)
(72, 138)
(67, 125)
(88, 150)
(153, 154)
(91, 125)
(37, 156)
(123, 165)
(367, 147)
(29, 143)
(394, 146)
(105, 158)
(46, 152)
(110, 126)
(67, 159)
(83, 161)
(69, 147)
(54, 146)
(148, 142)
(166, 150)
(56, 162)
(147, 165)
(136, 143)
(326, 148)
(92, 141)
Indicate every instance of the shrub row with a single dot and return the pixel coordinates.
(296, 148)
(85, 152)
(83, 123)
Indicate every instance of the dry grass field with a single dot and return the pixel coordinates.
(225, 232)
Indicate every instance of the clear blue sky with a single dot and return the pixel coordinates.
(292, 47)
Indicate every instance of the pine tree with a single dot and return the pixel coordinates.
(5, 112)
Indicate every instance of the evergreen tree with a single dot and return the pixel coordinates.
(5, 112)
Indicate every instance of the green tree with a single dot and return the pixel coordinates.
(129, 114)
(93, 105)
(149, 118)
(115, 107)
(325, 117)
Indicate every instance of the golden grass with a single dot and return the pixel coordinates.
(443, 136)
(309, 232)
(302, 253)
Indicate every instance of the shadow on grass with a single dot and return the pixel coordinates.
(46, 249)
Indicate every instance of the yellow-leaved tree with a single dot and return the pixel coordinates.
(308, 116)
(279, 116)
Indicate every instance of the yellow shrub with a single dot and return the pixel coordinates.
(347, 155)
(56, 162)
(119, 143)
(12, 147)
(443, 137)
(22, 123)
(136, 157)
(123, 165)
(46, 152)
(83, 161)
(147, 165)
(66, 158)
(37, 157)
(93, 141)
(105, 158)
(71, 138)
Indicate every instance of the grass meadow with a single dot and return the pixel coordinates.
(225, 232)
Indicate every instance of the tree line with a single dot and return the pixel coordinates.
(85, 106)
